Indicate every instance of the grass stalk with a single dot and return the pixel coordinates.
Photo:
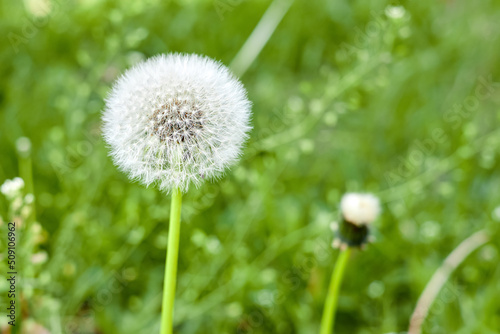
(441, 276)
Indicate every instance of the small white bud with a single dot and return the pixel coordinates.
(12, 188)
(360, 209)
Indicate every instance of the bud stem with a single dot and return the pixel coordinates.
(330, 308)
(170, 279)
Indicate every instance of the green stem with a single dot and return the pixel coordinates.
(170, 280)
(328, 318)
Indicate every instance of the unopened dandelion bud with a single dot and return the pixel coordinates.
(358, 211)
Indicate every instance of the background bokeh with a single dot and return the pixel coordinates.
(399, 99)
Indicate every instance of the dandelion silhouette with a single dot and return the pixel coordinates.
(176, 120)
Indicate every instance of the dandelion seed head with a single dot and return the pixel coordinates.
(176, 119)
(359, 209)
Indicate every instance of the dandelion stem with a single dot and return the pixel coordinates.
(328, 318)
(171, 266)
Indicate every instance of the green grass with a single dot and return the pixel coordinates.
(344, 98)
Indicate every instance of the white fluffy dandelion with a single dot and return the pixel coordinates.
(359, 209)
(176, 119)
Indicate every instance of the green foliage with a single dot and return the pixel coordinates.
(348, 96)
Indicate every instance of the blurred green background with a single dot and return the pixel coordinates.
(399, 99)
